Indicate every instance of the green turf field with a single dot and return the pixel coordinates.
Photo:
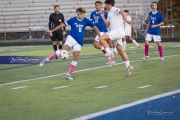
(38, 100)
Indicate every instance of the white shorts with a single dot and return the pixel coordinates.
(97, 37)
(116, 36)
(155, 37)
(70, 41)
(128, 31)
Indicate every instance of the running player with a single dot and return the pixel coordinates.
(56, 19)
(74, 40)
(116, 33)
(97, 20)
(127, 28)
(153, 31)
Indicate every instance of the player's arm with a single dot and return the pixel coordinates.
(160, 24)
(124, 16)
(104, 20)
(97, 31)
(55, 29)
(64, 28)
(50, 22)
(133, 26)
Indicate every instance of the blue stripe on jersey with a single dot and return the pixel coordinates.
(78, 28)
(98, 21)
(155, 19)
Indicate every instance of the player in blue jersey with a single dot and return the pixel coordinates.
(153, 31)
(97, 20)
(74, 40)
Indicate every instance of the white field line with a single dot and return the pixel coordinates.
(101, 87)
(59, 87)
(145, 86)
(93, 115)
(20, 81)
(19, 87)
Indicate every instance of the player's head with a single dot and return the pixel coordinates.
(154, 6)
(80, 12)
(56, 8)
(126, 12)
(109, 4)
(98, 5)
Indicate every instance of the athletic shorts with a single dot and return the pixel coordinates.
(57, 36)
(116, 36)
(128, 31)
(70, 41)
(97, 37)
(155, 37)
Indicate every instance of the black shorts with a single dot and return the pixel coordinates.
(57, 36)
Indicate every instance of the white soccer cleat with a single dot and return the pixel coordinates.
(145, 57)
(161, 58)
(42, 63)
(129, 70)
(68, 77)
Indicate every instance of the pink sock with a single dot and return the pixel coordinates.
(52, 56)
(146, 50)
(71, 69)
(160, 51)
(111, 59)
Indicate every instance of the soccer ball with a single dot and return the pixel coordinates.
(64, 54)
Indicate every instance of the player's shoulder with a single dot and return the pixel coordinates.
(93, 12)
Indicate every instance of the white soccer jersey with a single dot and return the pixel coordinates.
(115, 19)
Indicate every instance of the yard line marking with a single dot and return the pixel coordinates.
(80, 71)
(59, 87)
(100, 87)
(19, 87)
(93, 115)
(145, 86)
(176, 46)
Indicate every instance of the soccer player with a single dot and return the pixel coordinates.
(56, 19)
(97, 20)
(153, 31)
(116, 33)
(127, 28)
(74, 40)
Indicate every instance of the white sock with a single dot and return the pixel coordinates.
(127, 63)
(111, 49)
(115, 50)
(74, 63)
(124, 45)
(108, 51)
(102, 48)
(58, 52)
(134, 41)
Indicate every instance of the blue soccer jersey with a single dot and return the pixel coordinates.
(154, 19)
(78, 28)
(98, 21)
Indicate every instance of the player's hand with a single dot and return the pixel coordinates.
(64, 33)
(153, 26)
(102, 14)
(49, 32)
(134, 31)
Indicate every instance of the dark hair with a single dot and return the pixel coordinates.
(98, 2)
(81, 10)
(154, 3)
(56, 6)
(126, 11)
(105, 9)
(111, 2)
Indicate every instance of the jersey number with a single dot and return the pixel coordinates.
(153, 21)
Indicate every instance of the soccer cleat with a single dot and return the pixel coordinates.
(56, 57)
(138, 48)
(42, 63)
(68, 77)
(129, 69)
(161, 58)
(145, 57)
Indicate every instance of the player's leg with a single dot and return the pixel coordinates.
(76, 48)
(146, 46)
(134, 41)
(124, 43)
(160, 49)
(60, 39)
(67, 46)
(111, 45)
(124, 56)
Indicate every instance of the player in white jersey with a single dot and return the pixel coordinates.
(127, 28)
(116, 33)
